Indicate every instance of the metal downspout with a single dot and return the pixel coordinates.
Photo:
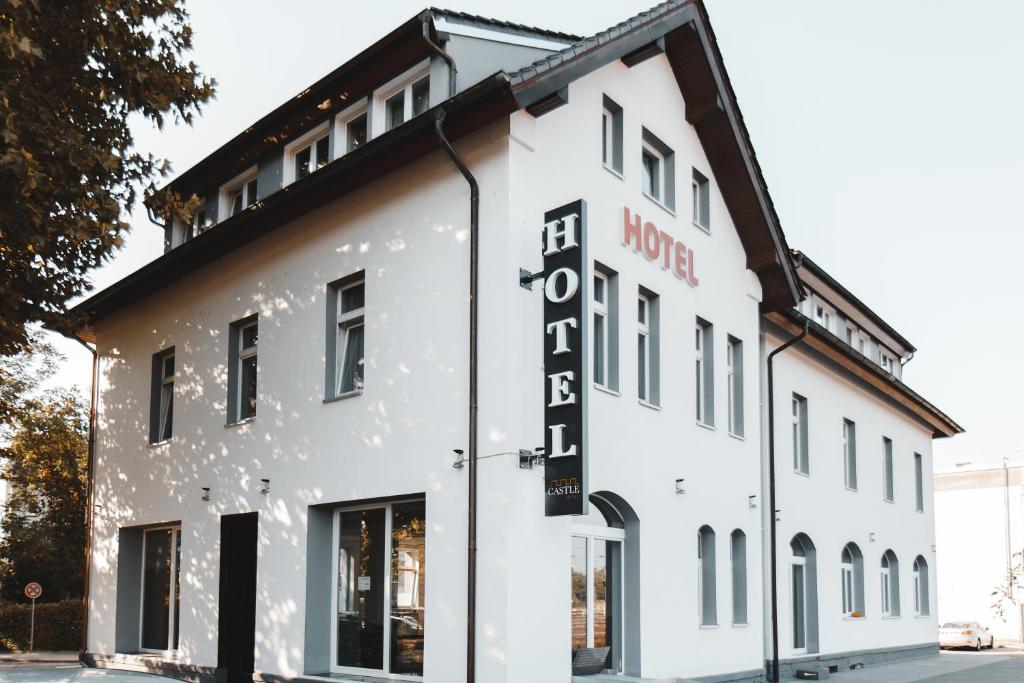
(773, 675)
(89, 506)
(474, 228)
(428, 20)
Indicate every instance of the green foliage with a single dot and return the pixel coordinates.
(72, 75)
(20, 377)
(44, 521)
(58, 625)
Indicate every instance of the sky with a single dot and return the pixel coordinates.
(891, 135)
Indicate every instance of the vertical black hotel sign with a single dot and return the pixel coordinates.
(566, 295)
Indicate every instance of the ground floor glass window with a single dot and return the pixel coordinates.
(380, 570)
(161, 589)
(596, 574)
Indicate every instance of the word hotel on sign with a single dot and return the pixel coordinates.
(659, 246)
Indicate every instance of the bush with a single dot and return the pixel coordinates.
(58, 626)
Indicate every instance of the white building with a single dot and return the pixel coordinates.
(336, 363)
(979, 519)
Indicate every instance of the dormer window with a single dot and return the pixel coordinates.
(823, 314)
(351, 128)
(199, 223)
(308, 153)
(402, 99)
(239, 194)
(887, 362)
(856, 338)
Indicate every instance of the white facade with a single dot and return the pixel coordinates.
(672, 477)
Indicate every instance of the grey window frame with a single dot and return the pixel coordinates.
(889, 575)
(236, 356)
(851, 576)
(888, 476)
(336, 321)
(734, 383)
(158, 380)
(801, 450)
(611, 135)
(922, 606)
(704, 364)
(738, 559)
(651, 329)
(918, 482)
(609, 310)
(666, 184)
(850, 454)
(701, 201)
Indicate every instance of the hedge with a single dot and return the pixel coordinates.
(58, 626)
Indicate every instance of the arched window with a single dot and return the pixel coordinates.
(738, 557)
(920, 587)
(890, 584)
(851, 568)
(707, 609)
(804, 594)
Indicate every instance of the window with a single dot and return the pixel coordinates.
(738, 557)
(890, 584)
(379, 565)
(606, 327)
(611, 135)
(801, 459)
(920, 587)
(243, 337)
(851, 570)
(706, 595)
(308, 153)
(408, 101)
(701, 201)
(734, 384)
(346, 335)
(886, 361)
(856, 338)
(850, 454)
(823, 315)
(200, 223)
(161, 412)
(887, 475)
(657, 161)
(647, 347)
(705, 372)
(161, 594)
(239, 194)
(918, 482)
(804, 594)
(352, 128)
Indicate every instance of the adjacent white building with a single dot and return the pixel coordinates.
(329, 413)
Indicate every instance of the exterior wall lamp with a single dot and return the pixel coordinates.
(679, 486)
(528, 458)
(206, 494)
(265, 486)
(752, 502)
(460, 458)
(871, 536)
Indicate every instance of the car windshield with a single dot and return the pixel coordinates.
(955, 624)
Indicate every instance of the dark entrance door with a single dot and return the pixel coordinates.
(236, 638)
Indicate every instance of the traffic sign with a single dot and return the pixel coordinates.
(33, 591)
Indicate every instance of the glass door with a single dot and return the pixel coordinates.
(161, 590)
(380, 584)
(596, 576)
(799, 606)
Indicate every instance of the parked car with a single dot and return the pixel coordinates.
(965, 634)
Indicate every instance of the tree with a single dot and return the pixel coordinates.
(44, 520)
(71, 76)
(1009, 594)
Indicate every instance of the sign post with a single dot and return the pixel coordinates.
(33, 591)
(566, 296)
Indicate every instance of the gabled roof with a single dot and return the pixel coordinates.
(679, 27)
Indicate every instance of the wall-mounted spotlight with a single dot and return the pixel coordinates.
(206, 494)
(871, 537)
(679, 486)
(528, 458)
(933, 547)
(752, 502)
(264, 486)
(460, 459)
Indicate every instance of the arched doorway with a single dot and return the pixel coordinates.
(605, 589)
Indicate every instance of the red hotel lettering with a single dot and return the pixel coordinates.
(658, 245)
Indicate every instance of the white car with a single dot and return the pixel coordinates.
(965, 634)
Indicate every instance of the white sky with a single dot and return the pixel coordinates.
(890, 134)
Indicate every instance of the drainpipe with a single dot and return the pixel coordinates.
(774, 673)
(474, 228)
(428, 21)
(89, 507)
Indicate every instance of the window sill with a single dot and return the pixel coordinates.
(738, 437)
(647, 404)
(601, 387)
(847, 617)
(892, 617)
(922, 616)
(851, 490)
(706, 229)
(707, 426)
(708, 627)
(239, 423)
(157, 444)
(802, 474)
(617, 174)
(663, 206)
(342, 397)
(744, 625)
(890, 502)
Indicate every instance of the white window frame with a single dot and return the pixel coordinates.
(733, 383)
(888, 471)
(643, 331)
(601, 311)
(608, 138)
(347, 321)
(245, 353)
(856, 339)
(701, 200)
(199, 223)
(165, 381)
(849, 455)
(388, 550)
(886, 576)
(886, 361)
(823, 314)
(699, 343)
(341, 122)
(849, 585)
(307, 139)
(239, 183)
(800, 449)
(658, 185)
(175, 536)
(381, 95)
(794, 561)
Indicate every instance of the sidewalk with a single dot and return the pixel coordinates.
(39, 657)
